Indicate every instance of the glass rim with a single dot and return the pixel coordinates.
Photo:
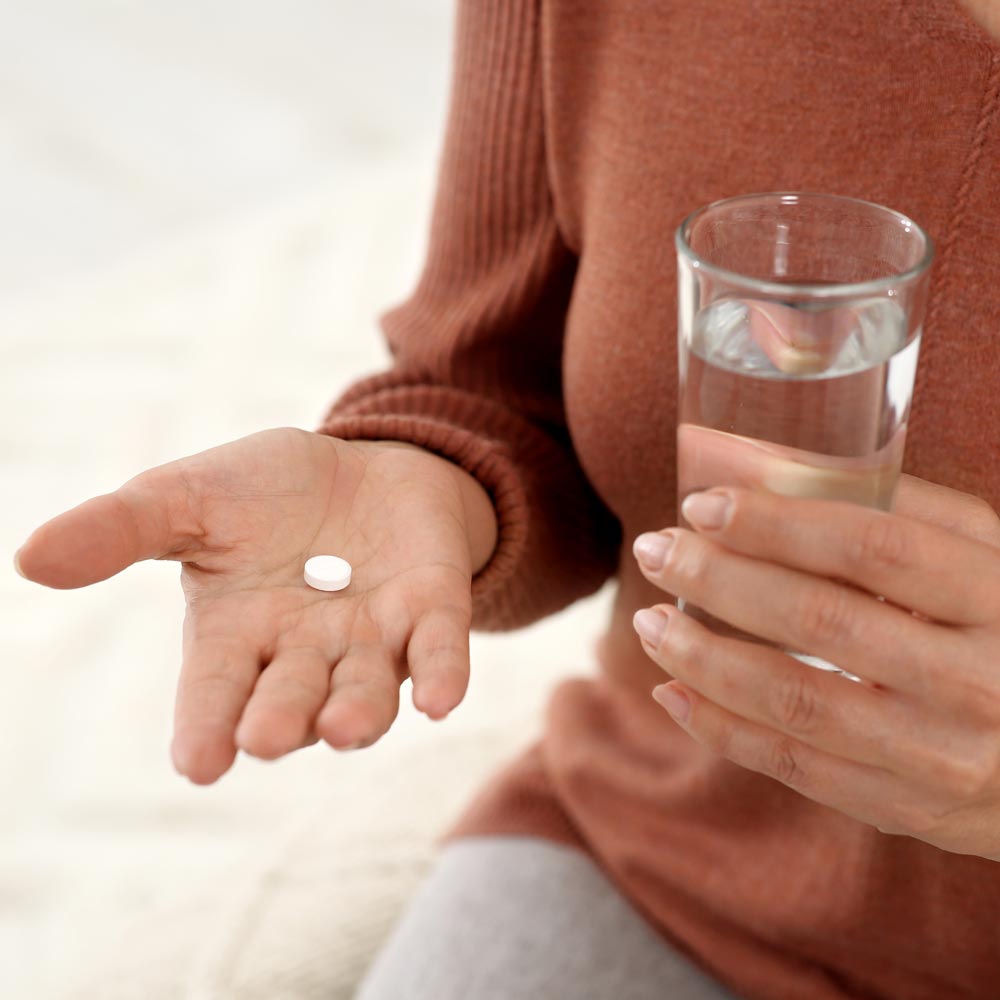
(813, 290)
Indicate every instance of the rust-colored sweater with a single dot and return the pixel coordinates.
(539, 353)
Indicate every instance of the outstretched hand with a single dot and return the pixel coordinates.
(270, 665)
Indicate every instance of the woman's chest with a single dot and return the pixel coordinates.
(653, 110)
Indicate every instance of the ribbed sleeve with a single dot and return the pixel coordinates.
(477, 347)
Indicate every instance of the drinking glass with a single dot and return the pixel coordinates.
(799, 323)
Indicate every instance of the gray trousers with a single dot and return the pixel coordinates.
(518, 918)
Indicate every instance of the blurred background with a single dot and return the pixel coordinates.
(203, 208)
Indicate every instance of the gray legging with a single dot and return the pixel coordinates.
(506, 918)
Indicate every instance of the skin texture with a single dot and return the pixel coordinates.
(915, 748)
(986, 13)
(269, 664)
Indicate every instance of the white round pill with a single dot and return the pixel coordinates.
(327, 572)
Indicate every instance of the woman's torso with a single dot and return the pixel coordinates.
(655, 109)
(652, 110)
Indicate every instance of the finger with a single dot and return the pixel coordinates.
(285, 701)
(807, 613)
(859, 790)
(438, 657)
(855, 721)
(217, 676)
(708, 458)
(364, 697)
(956, 512)
(797, 342)
(919, 566)
(148, 518)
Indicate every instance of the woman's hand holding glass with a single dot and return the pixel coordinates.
(908, 601)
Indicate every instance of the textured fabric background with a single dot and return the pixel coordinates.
(203, 207)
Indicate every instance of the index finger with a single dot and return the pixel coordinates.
(149, 517)
(919, 566)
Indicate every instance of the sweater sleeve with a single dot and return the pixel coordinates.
(477, 347)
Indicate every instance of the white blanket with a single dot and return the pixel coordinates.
(203, 206)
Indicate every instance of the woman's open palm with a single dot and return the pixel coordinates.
(269, 664)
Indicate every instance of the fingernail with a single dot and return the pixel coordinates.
(651, 550)
(17, 566)
(650, 624)
(356, 745)
(674, 701)
(706, 510)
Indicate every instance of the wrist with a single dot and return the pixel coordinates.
(480, 519)
(480, 513)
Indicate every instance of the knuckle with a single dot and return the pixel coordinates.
(267, 743)
(297, 689)
(784, 765)
(989, 705)
(795, 704)
(454, 614)
(890, 821)
(982, 517)
(881, 544)
(206, 685)
(684, 647)
(967, 778)
(908, 819)
(380, 689)
(825, 614)
(691, 561)
(451, 648)
(976, 693)
(719, 739)
(440, 638)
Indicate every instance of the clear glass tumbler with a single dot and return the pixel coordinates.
(799, 328)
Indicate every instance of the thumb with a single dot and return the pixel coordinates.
(715, 458)
(147, 518)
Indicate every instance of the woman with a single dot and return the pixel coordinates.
(760, 829)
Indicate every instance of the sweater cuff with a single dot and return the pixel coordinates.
(500, 450)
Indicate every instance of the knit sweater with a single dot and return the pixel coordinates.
(538, 352)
